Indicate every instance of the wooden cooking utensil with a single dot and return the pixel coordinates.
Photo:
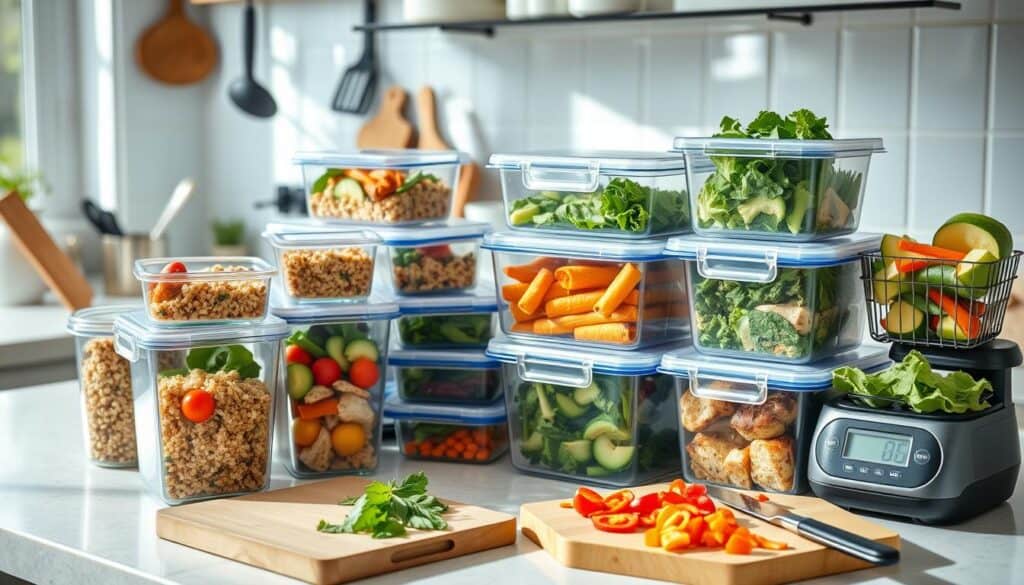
(175, 50)
(52, 265)
(430, 139)
(388, 129)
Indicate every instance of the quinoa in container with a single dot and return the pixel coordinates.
(105, 378)
(435, 258)
(447, 321)
(204, 289)
(203, 398)
(449, 432)
(325, 266)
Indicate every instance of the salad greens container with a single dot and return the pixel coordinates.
(449, 432)
(446, 322)
(334, 365)
(782, 302)
(446, 376)
(584, 292)
(435, 258)
(380, 187)
(597, 194)
(777, 189)
(329, 266)
(748, 425)
(106, 382)
(204, 403)
(600, 416)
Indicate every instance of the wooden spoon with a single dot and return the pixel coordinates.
(175, 50)
(430, 139)
(388, 129)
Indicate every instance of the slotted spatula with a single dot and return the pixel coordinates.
(355, 91)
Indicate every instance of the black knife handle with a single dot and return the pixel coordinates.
(865, 549)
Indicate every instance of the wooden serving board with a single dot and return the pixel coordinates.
(574, 542)
(276, 531)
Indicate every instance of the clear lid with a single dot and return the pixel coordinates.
(376, 307)
(634, 251)
(779, 148)
(420, 235)
(488, 414)
(758, 261)
(447, 304)
(319, 239)
(381, 158)
(566, 366)
(602, 160)
(470, 359)
(132, 331)
(97, 320)
(149, 269)
(748, 381)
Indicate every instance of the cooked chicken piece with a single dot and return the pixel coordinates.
(317, 393)
(350, 388)
(797, 315)
(767, 420)
(352, 408)
(707, 452)
(331, 421)
(737, 468)
(366, 458)
(771, 463)
(699, 413)
(318, 455)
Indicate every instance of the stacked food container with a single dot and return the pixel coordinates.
(772, 275)
(588, 300)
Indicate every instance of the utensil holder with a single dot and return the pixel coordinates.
(120, 253)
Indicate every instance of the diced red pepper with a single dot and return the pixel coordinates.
(587, 502)
(620, 523)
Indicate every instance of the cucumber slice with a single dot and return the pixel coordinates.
(568, 406)
(546, 411)
(905, 320)
(335, 347)
(579, 451)
(350, 189)
(611, 456)
(534, 443)
(948, 329)
(524, 214)
(300, 380)
(585, 396)
(604, 426)
(361, 348)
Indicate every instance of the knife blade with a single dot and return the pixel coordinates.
(845, 541)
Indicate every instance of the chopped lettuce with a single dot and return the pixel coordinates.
(913, 382)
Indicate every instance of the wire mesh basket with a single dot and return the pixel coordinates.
(936, 302)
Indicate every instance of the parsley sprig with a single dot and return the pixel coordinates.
(386, 509)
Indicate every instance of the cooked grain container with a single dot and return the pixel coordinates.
(330, 266)
(204, 290)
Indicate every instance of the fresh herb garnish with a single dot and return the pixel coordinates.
(321, 183)
(414, 179)
(226, 358)
(385, 510)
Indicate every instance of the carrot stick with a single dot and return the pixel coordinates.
(583, 303)
(606, 333)
(931, 251)
(624, 283)
(568, 323)
(908, 265)
(582, 277)
(968, 323)
(317, 409)
(526, 272)
(548, 327)
(525, 326)
(534, 295)
(513, 292)
(520, 316)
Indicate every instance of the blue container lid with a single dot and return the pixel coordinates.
(488, 414)
(423, 358)
(634, 251)
(779, 148)
(829, 252)
(448, 304)
(374, 308)
(381, 158)
(132, 331)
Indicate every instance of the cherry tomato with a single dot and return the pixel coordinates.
(646, 504)
(198, 405)
(587, 502)
(168, 290)
(762, 498)
(364, 373)
(326, 371)
(618, 501)
(620, 523)
(294, 354)
(437, 252)
(173, 267)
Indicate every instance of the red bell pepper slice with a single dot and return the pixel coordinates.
(931, 251)
(646, 504)
(587, 502)
(619, 523)
(618, 501)
(968, 323)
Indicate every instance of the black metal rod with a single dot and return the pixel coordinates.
(804, 18)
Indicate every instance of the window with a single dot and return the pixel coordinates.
(12, 151)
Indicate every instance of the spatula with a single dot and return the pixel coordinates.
(355, 91)
(389, 128)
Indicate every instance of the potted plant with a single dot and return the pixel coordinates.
(229, 238)
(21, 283)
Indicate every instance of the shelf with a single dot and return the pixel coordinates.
(797, 13)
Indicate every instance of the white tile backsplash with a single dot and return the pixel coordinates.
(951, 74)
(737, 80)
(969, 10)
(1006, 155)
(804, 71)
(1009, 9)
(947, 178)
(875, 86)
(885, 208)
(1008, 82)
(678, 65)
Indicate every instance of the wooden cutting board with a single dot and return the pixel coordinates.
(574, 542)
(430, 139)
(389, 128)
(276, 531)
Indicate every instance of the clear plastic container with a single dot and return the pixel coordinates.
(446, 322)
(213, 289)
(435, 258)
(449, 432)
(325, 267)
(106, 381)
(781, 190)
(646, 295)
(749, 425)
(334, 363)
(381, 187)
(204, 399)
(619, 194)
(452, 376)
(600, 416)
(796, 302)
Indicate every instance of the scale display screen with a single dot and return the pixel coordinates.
(876, 447)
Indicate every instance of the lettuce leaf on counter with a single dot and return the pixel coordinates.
(913, 382)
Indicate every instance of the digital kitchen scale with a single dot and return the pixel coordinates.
(932, 468)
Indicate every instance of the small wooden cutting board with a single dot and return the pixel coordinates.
(276, 531)
(574, 542)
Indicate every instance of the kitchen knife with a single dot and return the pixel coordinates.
(857, 546)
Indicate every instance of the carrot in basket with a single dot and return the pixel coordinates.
(521, 316)
(534, 295)
(582, 303)
(606, 333)
(583, 277)
(317, 409)
(625, 282)
(526, 272)
(569, 323)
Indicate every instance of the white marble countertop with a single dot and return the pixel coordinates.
(63, 520)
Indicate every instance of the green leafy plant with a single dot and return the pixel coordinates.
(229, 233)
(25, 184)
(386, 509)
